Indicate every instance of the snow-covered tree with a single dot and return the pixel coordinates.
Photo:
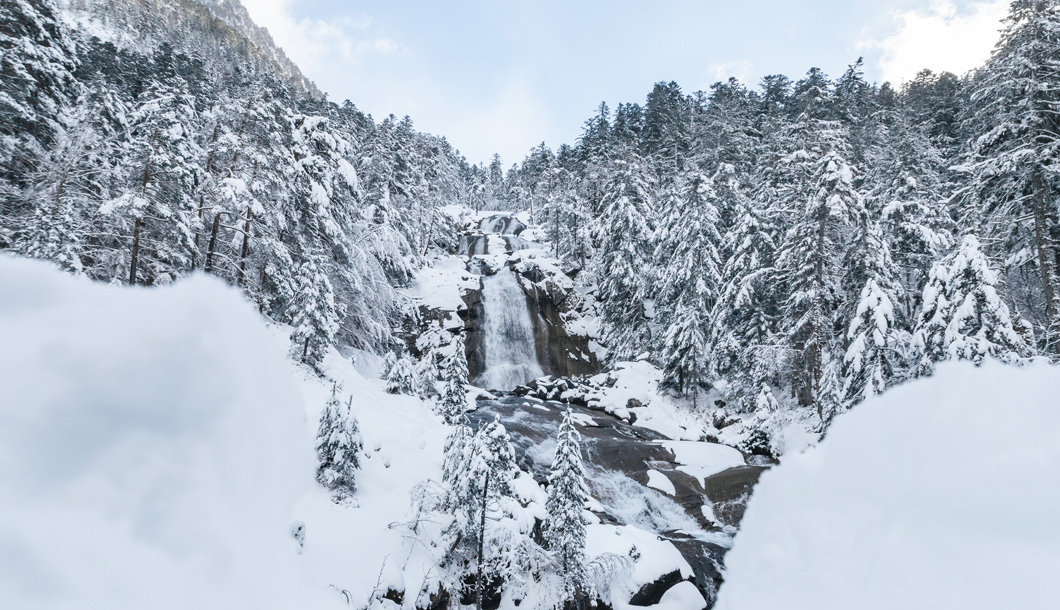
(823, 189)
(314, 314)
(401, 377)
(624, 257)
(452, 399)
(338, 446)
(1015, 149)
(565, 526)
(874, 356)
(963, 316)
(687, 258)
(765, 435)
(479, 480)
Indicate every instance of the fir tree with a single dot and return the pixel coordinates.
(400, 378)
(565, 526)
(452, 400)
(314, 314)
(624, 234)
(963, 316)
(1014, 146)
(687, 258)
(338, 446)
(874, 357)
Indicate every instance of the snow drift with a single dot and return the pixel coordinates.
(943, 493)
(152, 445)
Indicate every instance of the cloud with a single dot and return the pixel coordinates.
(317, 45)
(721, 71)
(940, 37)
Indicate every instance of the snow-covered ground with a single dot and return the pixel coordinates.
(159, 440)
(943, 493)
(152, 447)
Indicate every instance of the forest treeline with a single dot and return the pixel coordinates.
(825, 237)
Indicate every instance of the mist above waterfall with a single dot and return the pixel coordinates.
(511, 358)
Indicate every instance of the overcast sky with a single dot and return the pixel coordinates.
(498, 76)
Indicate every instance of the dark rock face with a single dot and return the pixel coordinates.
(618, 456)
(474, 335)
(651, 593)
(501, 224)
(560, 354)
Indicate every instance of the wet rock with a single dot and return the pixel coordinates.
(395, 596)
(633, 403)
(723, 419)
(651, 593)
(729, 491)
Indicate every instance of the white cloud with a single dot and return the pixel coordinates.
(721, 71)
(316, 45)
(940, 38)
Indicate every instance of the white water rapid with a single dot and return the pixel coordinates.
(508, 337)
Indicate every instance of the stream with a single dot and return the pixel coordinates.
(626, 465)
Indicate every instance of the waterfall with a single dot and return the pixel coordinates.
(508, 337)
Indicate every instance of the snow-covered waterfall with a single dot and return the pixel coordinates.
(511, 358)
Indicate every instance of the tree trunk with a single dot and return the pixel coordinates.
(134, 259)
(305, 349)
(1046, 259)
(481, 544)
(246, 247)
(213, 242)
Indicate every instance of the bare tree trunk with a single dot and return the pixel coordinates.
(134, 259)
(246, 247)
(1045, 262)
(213, 242)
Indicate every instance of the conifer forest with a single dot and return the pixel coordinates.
(789, 343)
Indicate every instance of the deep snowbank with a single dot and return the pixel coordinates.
(152, 445)
(943, 493)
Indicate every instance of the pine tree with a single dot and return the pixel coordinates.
(744, 317)
(313, 313)
(822, 184)
(766, 433)
(479, 478)
(687, 257)
(962, 316)
(400, 378)
(565, 526)
(452, 400)
(338, 446)
(624, 234)
(874, 357)
(1014, 146)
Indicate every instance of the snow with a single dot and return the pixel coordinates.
(702, 460)
(682, 596)
(442, 284)
(658, 480)
(656, 557)
(354, 547)
(152, 447)
(941, 493)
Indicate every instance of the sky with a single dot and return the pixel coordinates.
(495, 76)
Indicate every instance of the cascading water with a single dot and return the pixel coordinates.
(508, 337)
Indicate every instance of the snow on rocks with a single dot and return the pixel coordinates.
(659, 481)
(702, 460)
(940, 493)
